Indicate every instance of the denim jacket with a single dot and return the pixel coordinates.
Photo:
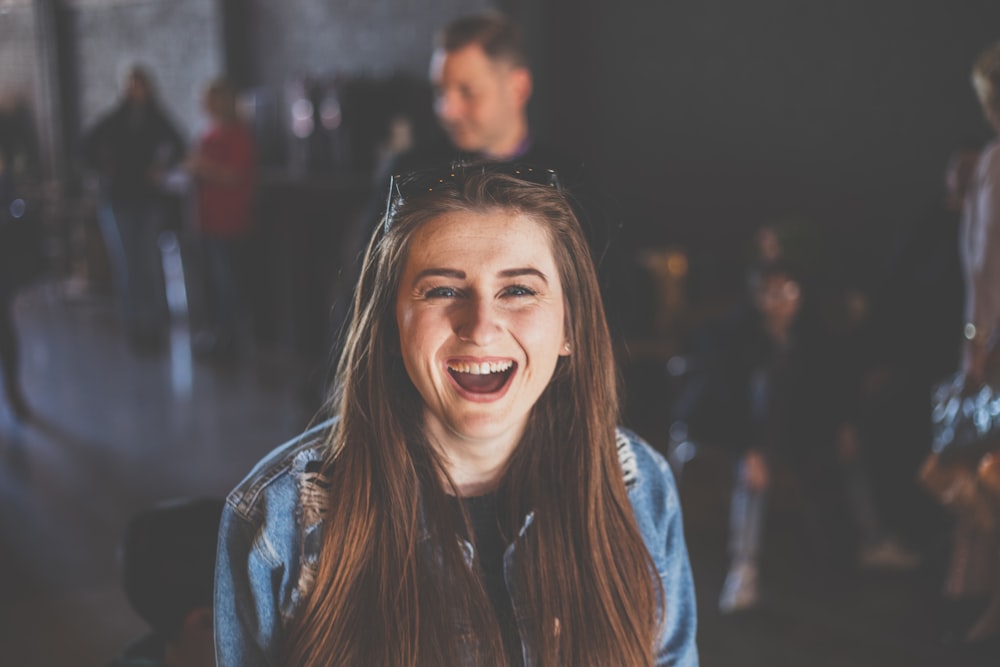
(270, 538)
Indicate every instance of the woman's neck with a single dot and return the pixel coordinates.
(473, 480)
(475, 466)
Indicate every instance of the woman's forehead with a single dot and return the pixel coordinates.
(497, 231)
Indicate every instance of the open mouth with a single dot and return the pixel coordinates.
(487, 377)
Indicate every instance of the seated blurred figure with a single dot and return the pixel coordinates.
(791, 407)
(168, 562)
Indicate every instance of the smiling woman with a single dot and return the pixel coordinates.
(481, 327)
(472, 501)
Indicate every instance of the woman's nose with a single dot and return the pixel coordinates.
(478, 322)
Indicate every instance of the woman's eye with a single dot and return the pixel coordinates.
(441, 293)
(519, 290)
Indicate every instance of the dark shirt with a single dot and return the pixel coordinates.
(918, 312)
(491, 544)
(785, 399)
(128, 146)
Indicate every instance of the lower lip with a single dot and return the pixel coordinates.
(482, 398)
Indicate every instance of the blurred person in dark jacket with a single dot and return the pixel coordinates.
(132, 148)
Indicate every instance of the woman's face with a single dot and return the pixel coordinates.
(481, 324)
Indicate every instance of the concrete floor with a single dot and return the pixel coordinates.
(813, 614)
(116, 432)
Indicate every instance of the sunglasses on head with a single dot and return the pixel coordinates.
(405, 185)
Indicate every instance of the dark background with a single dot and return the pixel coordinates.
(710, 117)
(703, 117)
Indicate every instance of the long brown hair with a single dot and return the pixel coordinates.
(393, 586)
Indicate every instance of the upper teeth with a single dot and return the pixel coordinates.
(482, 368)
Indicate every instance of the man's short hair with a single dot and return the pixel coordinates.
(168, 561)
(498, 37)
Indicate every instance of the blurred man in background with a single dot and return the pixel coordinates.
(482, 85)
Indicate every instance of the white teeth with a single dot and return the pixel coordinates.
(482, 368)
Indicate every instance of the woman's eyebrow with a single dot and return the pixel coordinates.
(439, 272)
(527, 271)
(461, 275)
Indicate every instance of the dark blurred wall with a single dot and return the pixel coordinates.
(322, 38)
(275, 48)
(708, 117)
(17, 51)
(178, 40)
(20, 69)
(704, 117)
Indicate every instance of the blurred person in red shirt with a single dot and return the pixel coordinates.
(224, 167)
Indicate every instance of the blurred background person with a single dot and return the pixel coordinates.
(791, 411)
(967, 483)
(482, 82)
(131, 149)
(224, 167)
(980, 236)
